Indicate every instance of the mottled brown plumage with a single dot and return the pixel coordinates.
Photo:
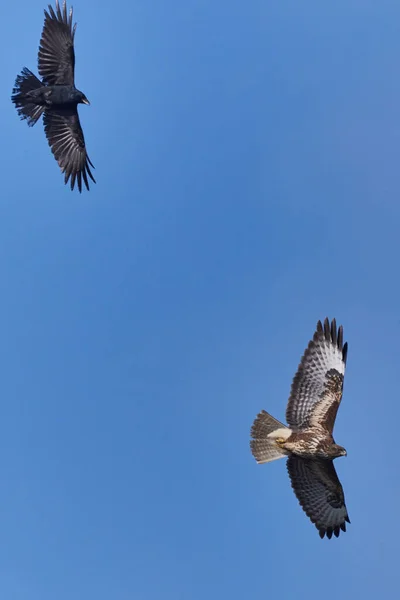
(308, 441)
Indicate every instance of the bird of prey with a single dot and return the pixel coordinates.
(308, 441)
(56, 96)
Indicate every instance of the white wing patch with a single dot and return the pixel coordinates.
(319, 378)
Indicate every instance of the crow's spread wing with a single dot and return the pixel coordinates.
(65, 136)
(56, 51)
(320, 493)
(318, 384)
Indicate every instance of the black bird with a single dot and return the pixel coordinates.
(56, 96)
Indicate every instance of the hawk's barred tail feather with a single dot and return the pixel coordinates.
(265, 431)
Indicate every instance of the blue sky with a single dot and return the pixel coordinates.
(247, 160)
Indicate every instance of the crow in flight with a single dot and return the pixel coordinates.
(56, 96)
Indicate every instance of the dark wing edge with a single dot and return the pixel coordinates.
(65, 136)
(317, 387)
(333, 335)
(320, 494)
(56, 51)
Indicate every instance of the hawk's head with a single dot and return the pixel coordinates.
(334, 451)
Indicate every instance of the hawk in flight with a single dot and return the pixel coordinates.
(56, 96)
(308, 441)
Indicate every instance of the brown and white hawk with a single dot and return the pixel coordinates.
(308, 441)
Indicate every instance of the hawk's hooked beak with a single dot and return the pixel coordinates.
(85, 101)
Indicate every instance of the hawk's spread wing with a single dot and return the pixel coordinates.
(318, 384)
(65, 136)
(56, 51)
(320, 493)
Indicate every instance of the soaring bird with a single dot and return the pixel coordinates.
(56, 96)
(308, 441)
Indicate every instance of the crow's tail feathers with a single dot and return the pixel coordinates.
(26, 107)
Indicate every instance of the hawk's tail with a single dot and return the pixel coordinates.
(265, 432)
(27, 109)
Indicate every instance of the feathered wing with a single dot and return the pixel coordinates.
(65, 137)
(318, 384)
(56, 50)
(320, 494)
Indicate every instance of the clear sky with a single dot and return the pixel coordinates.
(247, 164)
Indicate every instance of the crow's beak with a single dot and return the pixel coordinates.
(85, 101)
